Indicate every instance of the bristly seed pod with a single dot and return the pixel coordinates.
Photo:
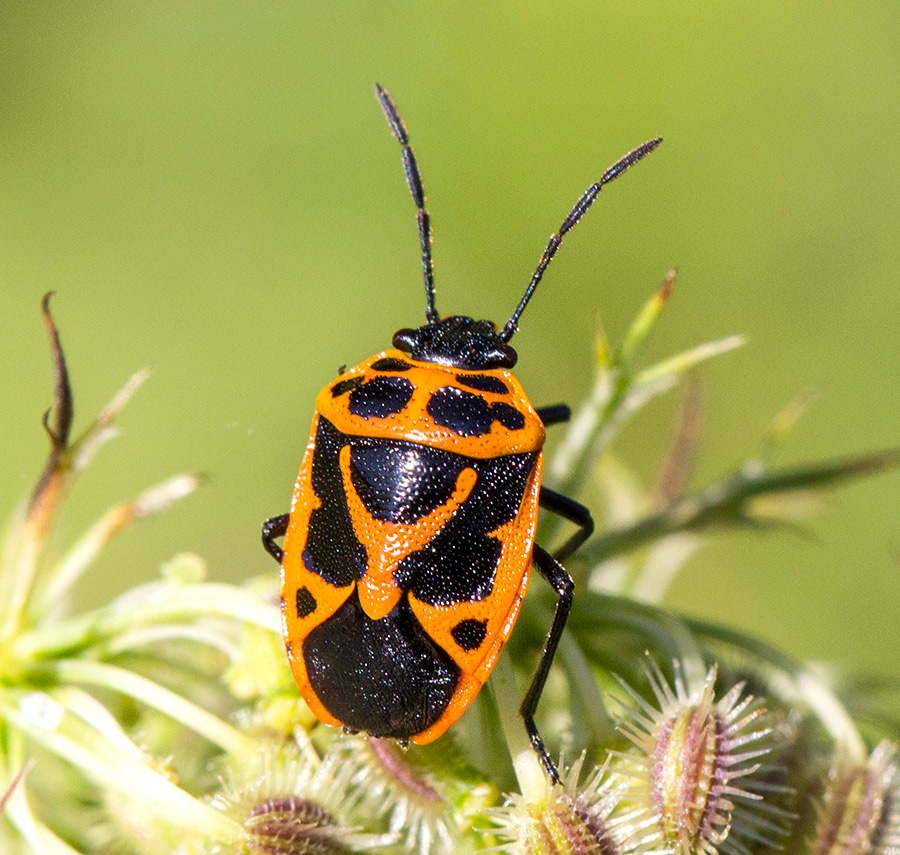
(379, 781)
(291, 825)
(689, 756)
(289, 804)
(567, 819)
(860, 814)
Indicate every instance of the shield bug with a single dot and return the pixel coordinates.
(410, 539)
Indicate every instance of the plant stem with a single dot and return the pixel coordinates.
(156, 696)
(529, 772)
(149, 604)
(103, 763)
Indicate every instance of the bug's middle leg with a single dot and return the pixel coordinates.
(557, 503)
(574, 512)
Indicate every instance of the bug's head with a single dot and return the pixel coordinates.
(459, 342)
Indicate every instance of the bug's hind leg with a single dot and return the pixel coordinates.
(562, 583)
(574, 512)
(275, 527)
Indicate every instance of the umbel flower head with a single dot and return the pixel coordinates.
(125, 712)
(690, 753)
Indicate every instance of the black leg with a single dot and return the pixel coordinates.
(574, 512)
(275, 527)
(554, 414)
(562, 583)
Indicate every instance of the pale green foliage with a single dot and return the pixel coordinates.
(166, 721)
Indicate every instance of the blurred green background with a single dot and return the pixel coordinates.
(211, 189)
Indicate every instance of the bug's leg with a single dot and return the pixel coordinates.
(574, 512)
(554, 414)
(275, 527)
(555, 502)
(562, 583)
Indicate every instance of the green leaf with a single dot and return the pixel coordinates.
(730, 503)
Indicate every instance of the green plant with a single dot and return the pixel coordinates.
(119, 732)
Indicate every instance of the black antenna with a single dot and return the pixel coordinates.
(414, 182)
(580, 209)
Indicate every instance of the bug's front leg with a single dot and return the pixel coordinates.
(562, 583)
(555, 414)
(275, 527)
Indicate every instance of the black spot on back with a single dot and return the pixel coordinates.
(332, 550)
(470, 415)
(469, 633)
(483, 383)
(402, 481)
(508, 416)
(380, 397)
(459, 564)
(306, 602)
(461, 411)
(384, 677)
(390, 364)
(345, 386)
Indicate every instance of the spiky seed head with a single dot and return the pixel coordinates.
(690, 752)
(382, 781)
(566, 819)
(860, 813)
(289, 804)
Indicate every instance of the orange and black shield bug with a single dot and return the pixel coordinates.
(410, 539)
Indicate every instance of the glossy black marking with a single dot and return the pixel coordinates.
(385, 677)
(402, 481)
(470, 415)
(380, 397)
(460, 563)
(463, 412)
(469, 633)
(463, 571)
(344, 386)
(508, 416)
(306, 602)
(483, 383)
(390, 364)
(332, 550)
